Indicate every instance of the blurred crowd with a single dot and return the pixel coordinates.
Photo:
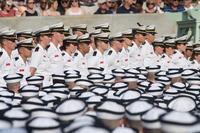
(10, 8)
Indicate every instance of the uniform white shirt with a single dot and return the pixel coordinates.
(113, 59)
(6, 66)
(22, 67)
(68, 61)
(152, 59)
(98, 60)
(194, 65)
(56, 59)
(166, 62)
(40, 61)
(135, 55)
(80, 63)
(124, 58)
(147, 49)
(90, 53)
(179, 59)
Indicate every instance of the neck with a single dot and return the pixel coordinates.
(101, 50)
(82, 52)
(55, 42)
(68, 51)
(23, 57)
(116, 49)
(43, 45)
(127, 6)
(137, 43)
(9, 52)
(156, 53)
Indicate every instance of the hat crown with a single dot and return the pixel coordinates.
(8, 32)
(84, 36)
(102, 35)
(27, 31)
(29, 40)
(82, 26)
(72, 37)
(57, 25)
(43, 29)
(150, 27)
(104, 25)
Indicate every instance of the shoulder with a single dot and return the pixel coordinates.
(37, 49)
(16, 58)
(94, 53)
(163, 56)
(63, 54)
(1, 53)
(110, 52)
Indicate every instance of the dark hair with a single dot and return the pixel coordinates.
(50, 2)
(70, 3)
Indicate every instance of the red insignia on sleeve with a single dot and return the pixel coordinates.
(21, 70)
(56, 56)
(7, 64)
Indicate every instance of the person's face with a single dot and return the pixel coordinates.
(140, 37)
(151, 5)
(104, 45)
(85, 47)
(159, 49)
(78, 33)
(45, 39)
(64, 3)
(43, 4)
(127, 41)
(182, 47)
(55, 5)
(170, 50)
(175, 2)
(103, 6)
(58, 36)
(27, 52)
(109, 3)
(187, 2)
(74, 3)
(30, 4)
(7, 7)
(188, 53)
(10, 44)
(197, 57)
(73, 48)
(150, 37)
(119, 44)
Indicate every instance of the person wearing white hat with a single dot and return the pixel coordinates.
(53, 50)
(69, 47)
(136, 56)
(7, 42)
(178, 57)
(147, 48)
(166, 59)
(21, 63)
(80, 60)
(24, 34)
(79, 30)
(188, 52)
(196, 59)
(98, 59)
(113, 55)
(40, 62)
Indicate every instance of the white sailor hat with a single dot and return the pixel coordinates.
(59, 90)
(118, 72)
(28, 91)
(76, 90)
(142, 70)
(178, 122)
(4, 107)
(58, 78)
(67, 111)
(110, 110)
(72, 77)
(194, 80)
(91, 129)
(42, 31)
(146, 97)
(105, 26)
(80, 27)
(85, 95)
(155, 91)
(161, 73)
(95, 32)
(85, 38)
(124, 130)
(188, 73)
(101, 1)
(58, 27)
(140, 30)
(144, 85)
(116, 37)
(27, 43)
(189, 46)
(179, 86)
(196, 50)
(43, 124)
(8, 34)
(5, 124)
(25, 33)
(109, 78)
(182, 104)
(163, 79)
(182, 40)
(35, 80)
(96, 78)
(173, 73)
(66, 31)
(193, 89)
(71, 72)
(84, 82)
(171, 92)
(50, 100)
(170, 43)
(102, 37)
(128, 33)
(111, 95)
(95, 69)
(6, 96)
(150, 119)
(17, 116)
(136, 109)
(130, 96)
(17, 99)
(119, 85)
(70, 39)
(132, 71)
(151, 29)
(159, 42)
(6, 28)
(32, 103)
(43, 112)
(94, 100)
(161, 102)
(130, 78)
(13, 78)
(153, 68)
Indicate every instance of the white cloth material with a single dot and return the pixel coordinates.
(56, 59)
(166, 62)
(179, 60)
(68, 61)
(124, 58)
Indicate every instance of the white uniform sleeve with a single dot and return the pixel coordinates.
(36, 59)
